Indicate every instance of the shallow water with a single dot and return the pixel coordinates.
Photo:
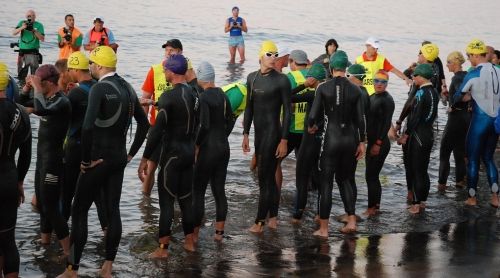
(446, 240)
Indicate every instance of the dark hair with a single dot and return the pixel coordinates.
(497, 52)
(68, 15)
(426, 42)
(48, 72)
(330, 42)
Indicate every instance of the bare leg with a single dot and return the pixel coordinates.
(149, 179)
(45, 238)
(232, 52)
(65, 245)
(253, 163)
(241, 51)
(189, 243)
(196, 234)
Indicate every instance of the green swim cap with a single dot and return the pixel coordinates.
(317, 71)
(339, 60)
(424, 70)
(357, 71)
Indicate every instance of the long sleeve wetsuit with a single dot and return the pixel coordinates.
(454, 134)
(420, 140)
(55, 113)
(175, 129)
(216, 122)
(379, 120)
(111, 106)
(340, 102)
(15, 133)
(267, 95)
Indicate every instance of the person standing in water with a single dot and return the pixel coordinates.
(339, 101)
(268, 96)
(236, 25)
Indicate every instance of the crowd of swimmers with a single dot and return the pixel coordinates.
(330, 112)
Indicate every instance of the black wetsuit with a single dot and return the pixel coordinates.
(340, 102)
(454, 134)
(379, 119)
(174, 128)
(307, 156)
(55, 114)
(267, 95)
(419, 143)
(216, 122)
(15, 133)
(78, 98)
(112, 104)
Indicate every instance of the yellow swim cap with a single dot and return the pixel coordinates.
(78, 60)
(103, 56)
(456, 57)
(430, 51)
(476, 47)
(267, 46)
(4, 76)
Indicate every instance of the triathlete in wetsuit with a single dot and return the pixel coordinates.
(174, 128)
(308, 154)
(78, 71)
(418, 137)
(54, 110)
(456, 128)
(483, 83)
(268, 95)
(343, 140)
(216, 122)
(379, 120)
(15, 133)
(112, 104)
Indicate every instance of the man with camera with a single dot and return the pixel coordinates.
(235, 25)
(69, 38)
(29, 43)
(99, 35)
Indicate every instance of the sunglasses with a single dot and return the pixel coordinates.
(362, 75)
(272, 54)
(380, 81)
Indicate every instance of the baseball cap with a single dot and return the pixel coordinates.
(235, 8)
(98, 18)
(299, 57)
(375, 43)
(174, 43)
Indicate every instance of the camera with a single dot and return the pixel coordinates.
(67, 34)
(101, 42)
(235, 23)
(14, 44)
(29, 24)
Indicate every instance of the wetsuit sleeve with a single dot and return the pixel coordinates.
(418, 111)
(229, 116)
(407, 106)
(466, 85)
(387, 109)
(204, 120)
(304, 97)
(248, 116)
(26, 100)
(298, 89)
(156, 133)
(360, 116)
(142, 127)
(94, 103)
(315, 107)
(24, 159)
(287, 107)
(42, 108)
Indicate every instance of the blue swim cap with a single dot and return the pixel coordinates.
(176, 63)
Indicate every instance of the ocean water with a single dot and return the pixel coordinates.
(442, 240)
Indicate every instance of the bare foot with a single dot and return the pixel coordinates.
(256, 228)
(196, 234)
(218, 237)
(323, 228)
(350, 226)
(242, 61)
(471, 201)
(460, 184)
(414, 209)
(273, 223)
(441, 188)
(423, 205)
(106, 269)
(494, 200)
(68, 274)
(219, 230)
(295, 221)
(159, 253)
(371, 212)
(189, 243)
(45, 238)
(316, 219)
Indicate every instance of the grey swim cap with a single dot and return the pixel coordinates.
(205, 72)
